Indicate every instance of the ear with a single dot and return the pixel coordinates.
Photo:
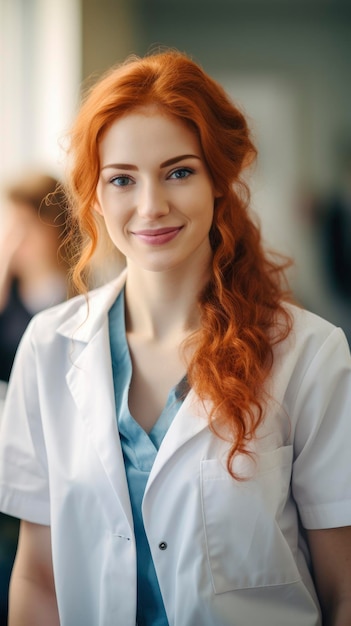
(248, 159)
(216, 193)
(97, 207)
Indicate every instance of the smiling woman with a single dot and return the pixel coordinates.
(155, 192)
(174, 440)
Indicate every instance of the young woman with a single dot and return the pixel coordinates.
(176, 442)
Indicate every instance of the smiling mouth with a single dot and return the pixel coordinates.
(157, 236)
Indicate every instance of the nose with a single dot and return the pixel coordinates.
(152, 200)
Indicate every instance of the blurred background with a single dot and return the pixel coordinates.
(287, 63)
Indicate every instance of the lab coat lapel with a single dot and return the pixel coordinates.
(191, 419)
(90, 382)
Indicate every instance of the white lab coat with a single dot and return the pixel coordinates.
(234, 554)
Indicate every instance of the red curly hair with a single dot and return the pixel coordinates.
(242, 312)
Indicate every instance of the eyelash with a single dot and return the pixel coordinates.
(188, 170)
(125, 177)
(119, 177)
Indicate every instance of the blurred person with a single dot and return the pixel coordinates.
(33, 276)
(335, 226)
(33, 271)
(336, 234)
(176, 442)
(328, 217)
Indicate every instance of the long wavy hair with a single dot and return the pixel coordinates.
(242, 311)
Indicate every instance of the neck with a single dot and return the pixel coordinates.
(163, 305)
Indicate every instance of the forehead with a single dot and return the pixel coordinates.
(148, 131)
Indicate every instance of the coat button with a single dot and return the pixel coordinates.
(162, 545)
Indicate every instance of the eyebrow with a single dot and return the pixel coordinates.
(128, 166)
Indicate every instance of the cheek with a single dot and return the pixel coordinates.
(115, 226)
(112, 206)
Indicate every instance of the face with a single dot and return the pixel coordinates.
(35, 241)
(155, 193)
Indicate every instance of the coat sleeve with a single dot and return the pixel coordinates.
(321, 480)
(24, 485)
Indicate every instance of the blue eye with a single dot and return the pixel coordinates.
(181, 172)
(120, 181)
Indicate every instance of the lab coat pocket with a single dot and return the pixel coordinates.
(245, 545)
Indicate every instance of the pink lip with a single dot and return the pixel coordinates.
(157, 236)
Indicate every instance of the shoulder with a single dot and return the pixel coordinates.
(309, 332)
(315, 354)
(79, 316)
(306, 320)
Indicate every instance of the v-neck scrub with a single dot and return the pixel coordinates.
(139, 452)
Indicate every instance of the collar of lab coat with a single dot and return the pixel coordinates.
(86, 320)
(91, 371)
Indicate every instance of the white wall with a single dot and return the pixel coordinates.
(40, 73)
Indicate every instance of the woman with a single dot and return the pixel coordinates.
(175, 441)
(33, 270)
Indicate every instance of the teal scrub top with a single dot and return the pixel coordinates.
(139, 451)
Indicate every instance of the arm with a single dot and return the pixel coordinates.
(32, 599)
(331, 558)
